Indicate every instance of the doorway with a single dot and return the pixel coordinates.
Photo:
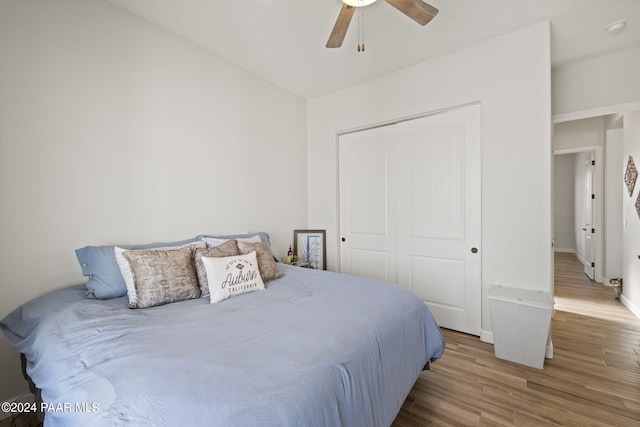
(578, 198)
(587, 194)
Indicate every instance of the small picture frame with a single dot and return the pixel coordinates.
(309, 247)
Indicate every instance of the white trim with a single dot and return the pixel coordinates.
(549, 353)
(407, 118)
(486, 336)
(631, 306)
(585, 149)
(598, 190)
(582, 261)
(595, 112)
(565, 250)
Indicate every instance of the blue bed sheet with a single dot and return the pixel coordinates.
(315, 348)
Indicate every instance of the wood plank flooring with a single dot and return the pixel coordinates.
(21, 420)
(592, 380)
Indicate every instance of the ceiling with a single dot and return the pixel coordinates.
(283, 41)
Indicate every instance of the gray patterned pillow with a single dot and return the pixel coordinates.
(228, 248)
(163, 276)
(125, 268)
(268, 268)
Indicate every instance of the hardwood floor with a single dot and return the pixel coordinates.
(21, 420)
(592, 380)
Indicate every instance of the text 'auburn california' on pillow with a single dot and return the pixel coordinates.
(234, 275)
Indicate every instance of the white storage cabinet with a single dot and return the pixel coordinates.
(521, 321)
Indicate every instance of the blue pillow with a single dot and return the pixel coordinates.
(99, 264)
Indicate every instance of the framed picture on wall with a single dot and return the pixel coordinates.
(310, 248)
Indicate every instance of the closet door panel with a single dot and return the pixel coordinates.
(366, 223)
(439, 228)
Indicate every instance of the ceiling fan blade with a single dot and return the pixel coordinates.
(340, 28)
(417, 10)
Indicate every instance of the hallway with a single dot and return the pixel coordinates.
(575, 293)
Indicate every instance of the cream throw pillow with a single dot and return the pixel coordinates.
(234, 275)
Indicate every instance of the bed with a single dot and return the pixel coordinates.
(313, 348)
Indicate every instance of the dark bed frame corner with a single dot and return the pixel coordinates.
(32, 387)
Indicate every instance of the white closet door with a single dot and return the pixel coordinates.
(367, 224)
(410, 211)
(439, 215)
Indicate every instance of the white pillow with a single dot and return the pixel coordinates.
(212, 242)
(233, 275)
(127, 275)
(252, 239)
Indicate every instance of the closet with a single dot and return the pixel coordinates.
(410, 210)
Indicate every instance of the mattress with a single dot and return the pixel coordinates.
(315, 348)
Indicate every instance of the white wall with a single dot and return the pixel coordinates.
(579, 133)
(631, 231)
(563, 206)
(510, 77)
(114, 131)
(613, 213)
(597, 83)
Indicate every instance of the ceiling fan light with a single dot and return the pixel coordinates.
(358, 3)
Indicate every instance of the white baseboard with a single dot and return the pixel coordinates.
(582, 260)
(486, 336)
(549, 353)
(631, 306)
(565, 250)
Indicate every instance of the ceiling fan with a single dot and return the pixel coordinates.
(417, 10)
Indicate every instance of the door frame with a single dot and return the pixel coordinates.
(585, 114)
(589, 212)
(598, 190)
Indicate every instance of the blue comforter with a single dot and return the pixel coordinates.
(314, 349)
